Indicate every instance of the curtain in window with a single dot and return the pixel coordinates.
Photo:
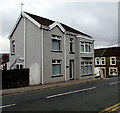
(55, 44)
(86, 68)
(56, 69)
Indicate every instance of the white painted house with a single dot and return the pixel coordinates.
(53, 51)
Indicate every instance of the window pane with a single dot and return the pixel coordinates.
(82, 48)
(17, 66)
(103, 62)
(87, 49)
(21, 66)
(86, 70)
(82, 70)
(113, 62)
(71, 47)
(53, 61)
(58, 61)
(55, 44)
(13, 46)
(56, 69)
(90, 69)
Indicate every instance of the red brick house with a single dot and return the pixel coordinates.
(4, 59)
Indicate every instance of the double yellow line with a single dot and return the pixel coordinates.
(111, 109)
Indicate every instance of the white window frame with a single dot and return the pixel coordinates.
(82, 44)
(88, 48)
(104, 60)
(87, 65)
(13, 48)
(19, 64)
(56, 62)
(57, 38)
(97, 58)
(72, 42)
(113, 68)
(111, 60)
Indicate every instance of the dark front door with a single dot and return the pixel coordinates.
(71, 69)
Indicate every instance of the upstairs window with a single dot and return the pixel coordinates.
(13, 47)
(56, 43)
(82, 47)
(112, 60)
(97, 61)
(71, 45)
(86, 47)
(102, 60)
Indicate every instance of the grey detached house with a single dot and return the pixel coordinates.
(52, 51)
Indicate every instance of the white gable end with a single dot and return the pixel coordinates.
(57, 24)
(31, 19)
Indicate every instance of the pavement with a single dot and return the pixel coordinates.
(44, 86)
(90, 95)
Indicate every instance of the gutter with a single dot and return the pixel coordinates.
(65, 54)
(42, 53)
(24, 42)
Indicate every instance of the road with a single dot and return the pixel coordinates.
(90, 96)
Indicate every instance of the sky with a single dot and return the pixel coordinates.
(98, 18)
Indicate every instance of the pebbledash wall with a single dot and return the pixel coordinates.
(33, 49)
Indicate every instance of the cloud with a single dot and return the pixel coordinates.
(4, 45)
(98, 19)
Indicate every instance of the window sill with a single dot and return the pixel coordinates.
(53, 76)
(12, 53)
(112, 64)
(85, 52)
(58, 51)
(71, 52)
(86, 75)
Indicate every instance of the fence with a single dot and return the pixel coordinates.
(15, 78)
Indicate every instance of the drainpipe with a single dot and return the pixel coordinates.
(24, 42)
(65, 55)
(42, 53)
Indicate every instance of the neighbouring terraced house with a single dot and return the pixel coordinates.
(107, 61)
(53, 51)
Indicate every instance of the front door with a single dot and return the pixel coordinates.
(103, 75)
(71, 69)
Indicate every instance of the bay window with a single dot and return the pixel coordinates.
(86, 68)
(86, 47)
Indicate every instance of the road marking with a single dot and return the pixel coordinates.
(7, 106)
(71, 92)
(114, 83)
(114, 107)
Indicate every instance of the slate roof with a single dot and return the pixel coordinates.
(47, 22)
(107, 52)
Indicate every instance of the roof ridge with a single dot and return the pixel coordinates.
(47, 22)
(39, 16)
